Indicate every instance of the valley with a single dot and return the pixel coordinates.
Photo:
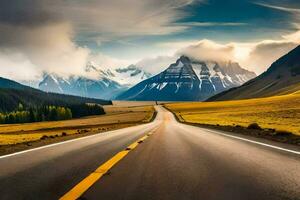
(17, 137)
(276, 116)
(150, 99)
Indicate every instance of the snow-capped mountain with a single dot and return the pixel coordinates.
(189, 80)
(282, 77)
(97, 83)
(130, 75)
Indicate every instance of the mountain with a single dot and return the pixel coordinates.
(189, 80)
(98, 82)
(282, 77)
(80, 86)
(13, 93)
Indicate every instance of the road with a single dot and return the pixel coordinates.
(176, 162)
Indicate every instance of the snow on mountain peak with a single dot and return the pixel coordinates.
(97, 82)
(189, 80)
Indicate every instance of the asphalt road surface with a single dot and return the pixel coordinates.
(176, 162)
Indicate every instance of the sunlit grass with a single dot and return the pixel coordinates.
(115, 117)
(279, 112)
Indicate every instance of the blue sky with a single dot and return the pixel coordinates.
(61, 36)
(217, 20)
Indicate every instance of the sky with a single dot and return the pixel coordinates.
(61, 36)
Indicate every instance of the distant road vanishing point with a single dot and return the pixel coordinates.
(163, 159)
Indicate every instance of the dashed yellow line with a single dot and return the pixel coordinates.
(86, 183)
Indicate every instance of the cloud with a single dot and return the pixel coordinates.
(155, 65)
(294, 12)
(43, 35)
(264, 53)
(107, 62)
(17, 66)
(38, 36)
(256, 56)
(208, 50)
(41, 48)
(293, 37)
(282, 8)
(99, 18)
(209, 24)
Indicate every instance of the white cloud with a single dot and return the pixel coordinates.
(106, 62)
(282, 8)
(256, 56)
(155, 65)
(17, 66)
(295, 12)
(43, 48)
(115, 19)
(293, 37)
(208, 24)
(208, 50)
(38, 36)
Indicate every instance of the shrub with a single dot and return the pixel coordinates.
(63, 134)
(44, 137)
(283, 133)
(254, 126)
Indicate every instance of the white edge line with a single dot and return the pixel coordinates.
(244, 139)
(255, 142)
(60, 143)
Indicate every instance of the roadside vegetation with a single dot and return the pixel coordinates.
(14, 137)
(279, 115)
(49, 113)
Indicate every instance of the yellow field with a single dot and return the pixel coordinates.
(279, 112)
(116, 117)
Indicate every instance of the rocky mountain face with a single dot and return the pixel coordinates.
(189, 80)
(103, 84)
(282, 77)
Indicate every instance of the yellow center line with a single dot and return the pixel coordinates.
(132, 146)
(87, 182)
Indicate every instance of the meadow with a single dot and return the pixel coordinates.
(115, 117)
(279, 112)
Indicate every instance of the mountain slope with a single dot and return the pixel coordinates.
(283, 77)
(13, 93)
(188, 80)
(81, 86)
(103, 83)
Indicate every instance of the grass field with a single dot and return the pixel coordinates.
(116, 117)
(280, 112)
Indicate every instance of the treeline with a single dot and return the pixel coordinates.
(49, 113)
(21, 104)
(82, 110)
(10, 99)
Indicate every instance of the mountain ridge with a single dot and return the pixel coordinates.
(99, 83)
(188, 80)
(282, 77)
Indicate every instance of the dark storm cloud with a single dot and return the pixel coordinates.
(27, 12)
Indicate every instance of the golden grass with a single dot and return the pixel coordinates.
(279, 112)
(115, 117)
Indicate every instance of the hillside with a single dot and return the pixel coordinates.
(281, 113)
(13, 93)
(283, 77)
(189, 80)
